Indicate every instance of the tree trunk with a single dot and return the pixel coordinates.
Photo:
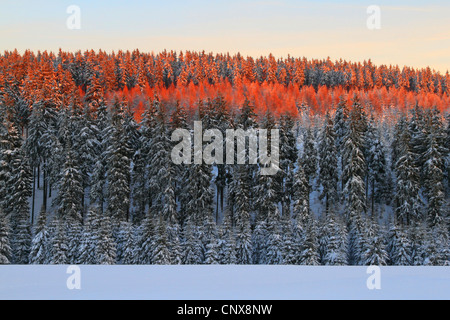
(217, 204)
(373, 197)
(39, 176)
(34, 195)
(367, 190)
(44, 193)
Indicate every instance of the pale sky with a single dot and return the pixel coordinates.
(414, 33)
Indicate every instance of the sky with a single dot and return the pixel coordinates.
(413, 33)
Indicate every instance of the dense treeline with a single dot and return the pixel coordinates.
(351, 188)
(278, 84)
(116, 71)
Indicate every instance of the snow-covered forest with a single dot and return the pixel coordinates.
(87, 181)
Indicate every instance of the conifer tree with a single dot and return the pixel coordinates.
(243, 243)
(259, 242)
(98, 178)
(227, 243)
(398, 247)
(274, 242)
(265, 195)
(174, 243)
(355, 164)
(200, 193)
(336, 249)
(118, 168)
(310, 159)
(88, 146)
(193, 248)
(407, 196)
(70, 186)
(5, 248)
(9, 149)
(289, 247)
(212, 253)
(59, 244)
(309, 250)
(374, 252)
(20, 184)
(130, 253)
(340, 128)
(90, 238)
(39, 253)
(106, 248)
(144, 243)
(161, 254)
(288, 157)
(300, 197)
(328, 163)
(417, 234)
(434, 157)
(376, 167)
(141, 176)
(74, 235)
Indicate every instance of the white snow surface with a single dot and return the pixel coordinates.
(218, 282)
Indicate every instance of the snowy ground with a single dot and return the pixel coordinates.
(223, 282)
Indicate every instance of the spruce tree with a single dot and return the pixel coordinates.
(106, 248)
(5, 248)
(289, 248)
(309, 250)
(434, 157)
(398, 247)
(118, 167)
(9, 148)
(274, 253)
(162, 173)
(336, 249)
(39, 253)
(174, 243)
(310, 159)
(129, 254)
(227, 243)
(21, 186)
(265, 195)
(142, 194)
(407, 196)
(374, 252)
(90, 237)
(144, 243)
(300, 197)
(20, 183)
(328, 163)
(200, 193)
(59, 244)
(259, 242)
(161, 253)
(355, 164)
(417, 233)
(74, 235)
(288, 157)
(98, 178)
(212, 252)
(376, 167)
(193, 248)
(340, 128)
(229, 254)
(243, 243)
(21, 244)
(70, 187)
(88, 146)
